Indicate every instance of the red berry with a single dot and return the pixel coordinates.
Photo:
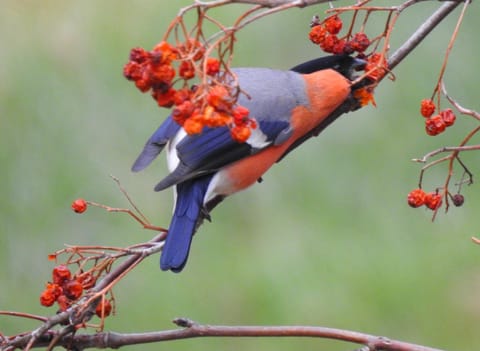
(104, 306)
(72, 289)
(416, 198)
(79, 205)
(329, 43)
(448, 117)
(427, 108)
(213, 66)
(360, 42)
(240, 115)
(47, 298)
(139, 55)
(333, 24)
(434, 125)
(433, 201)
(186, 70)
(50, 294)
(61, 273)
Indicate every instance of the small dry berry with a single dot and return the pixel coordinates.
(416, 198)
(458, 200)
(79, 205)
(427, 108)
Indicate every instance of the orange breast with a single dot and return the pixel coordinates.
(326, 90)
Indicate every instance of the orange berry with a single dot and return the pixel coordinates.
(192, 126)
(427, 108)
(317, 34)
(333, 24)
(164, 53)
(448, 117)
(161, 74)
(47, 298)
(50, 294)
(213, 66)
(186, 70)
(219, 98)
(240, 133)
(416, 198)
(433, 200)
(79, 205)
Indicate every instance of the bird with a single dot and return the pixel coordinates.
(289, 106)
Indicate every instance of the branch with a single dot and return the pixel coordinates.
(192, 329)
(422, 32)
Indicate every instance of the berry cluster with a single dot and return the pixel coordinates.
(66, 289)
(433, 200)
(436, 124)
(325, 34)
(210, 104)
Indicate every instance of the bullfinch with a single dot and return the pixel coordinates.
(289, 107)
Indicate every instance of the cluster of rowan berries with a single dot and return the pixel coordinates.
(195, 106)
(436, 124)
(432, 200)
(65, 289)
(325, 34)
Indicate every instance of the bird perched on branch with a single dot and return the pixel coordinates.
(289, 108)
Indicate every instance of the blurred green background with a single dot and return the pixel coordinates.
(327, 239)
